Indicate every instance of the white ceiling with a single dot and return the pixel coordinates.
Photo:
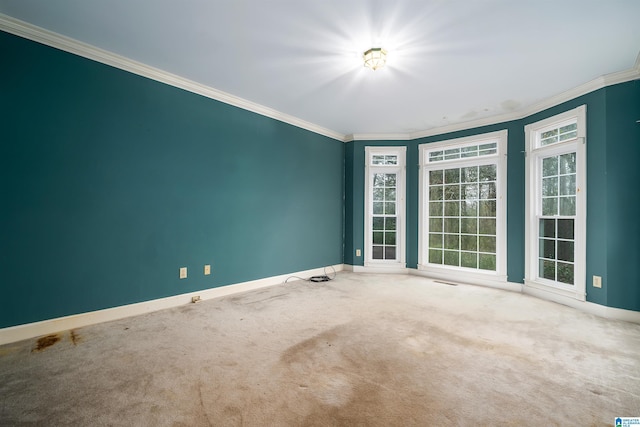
(450, 61)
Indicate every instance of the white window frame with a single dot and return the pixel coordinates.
(535, 153)
(400, 171)
(500, 159)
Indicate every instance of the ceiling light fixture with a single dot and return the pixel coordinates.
(375, 58)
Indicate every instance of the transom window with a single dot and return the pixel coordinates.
(558, 133)
(463, 152)
(462, 203)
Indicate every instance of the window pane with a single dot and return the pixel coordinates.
(470, 192)
(547, 269)
(390, 224)
(452, 176)
(549, 133)
(378, 180)
(550, 186)
(452, 258)
(487, 244)
(568, 185)
(569, 135)
(565, 229)
(436, 177)
(436, 208)
(569, 128)
(389, 209)
(550, 206)
(390, 180)
(377, 160)
(436, 192)
(469, 243)
(568, 163)
(547, 249)
(452, 192)
(451, 208)
(378, 194)
(390, 160)
(377, 252)
(390, 238)
(565, 251)
(487, 173)
(488, 190)
(487, 226)
(389, 252)
(469, 209)
(469, 225)
(565, 273)
(568, 206)
(435, 256)
(487, 208)
(378, 223)
(435, 240)
(469, 174)
(378, 208)
(469, 260)
(435, 224)
(451, 241)
(547, 228)
(550, 166)
(487, 262)
(390, 194)
(378, 238)
(452, 225)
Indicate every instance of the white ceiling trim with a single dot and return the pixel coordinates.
(67, 44)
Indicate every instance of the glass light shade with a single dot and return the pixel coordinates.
(375, 58)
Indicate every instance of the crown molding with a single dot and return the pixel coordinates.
(377, 136)
(67, 44)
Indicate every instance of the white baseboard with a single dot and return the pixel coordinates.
(586, 306)
(379, 269)
(50, 326)
(470, 280)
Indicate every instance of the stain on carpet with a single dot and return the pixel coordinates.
(46, 342)
(74, 336)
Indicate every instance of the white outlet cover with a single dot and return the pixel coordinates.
(207, 270)
(183, 272)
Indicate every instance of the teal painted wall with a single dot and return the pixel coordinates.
(111, 182)
(622, 199)
(613, 155)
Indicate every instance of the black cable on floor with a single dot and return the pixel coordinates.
(321, 278)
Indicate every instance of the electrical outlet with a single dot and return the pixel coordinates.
(207, 270)
(183, 272)
(597, 281)
(358, 252)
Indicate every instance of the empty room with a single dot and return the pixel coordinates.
(331, 213)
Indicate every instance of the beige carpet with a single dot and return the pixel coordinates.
(362, 350)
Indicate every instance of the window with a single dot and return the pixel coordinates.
(556, 203)
(462, 206)
(385, 178)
